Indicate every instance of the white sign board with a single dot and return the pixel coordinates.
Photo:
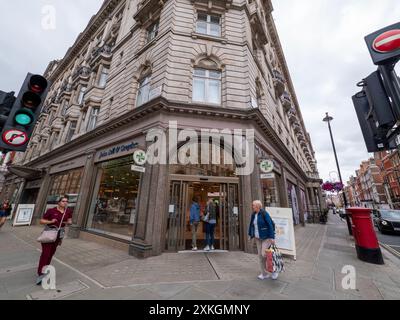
(24, 215)
(285, 239)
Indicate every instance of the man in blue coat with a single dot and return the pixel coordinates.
(194, 221)
(262, 229)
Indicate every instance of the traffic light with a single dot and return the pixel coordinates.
(375, 113)
(23, 115)
(6, 102)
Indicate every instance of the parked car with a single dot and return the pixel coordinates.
(387, 220)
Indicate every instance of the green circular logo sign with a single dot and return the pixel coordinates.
(267, 166)
(140, 157)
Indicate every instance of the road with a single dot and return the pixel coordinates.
(391, 240)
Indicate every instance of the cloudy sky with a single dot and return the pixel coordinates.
(323, 42)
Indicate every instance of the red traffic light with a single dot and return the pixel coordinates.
(38, 84)
(31, 100)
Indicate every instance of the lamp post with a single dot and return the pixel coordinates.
(328, 119)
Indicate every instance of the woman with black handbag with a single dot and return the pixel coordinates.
(57, 218)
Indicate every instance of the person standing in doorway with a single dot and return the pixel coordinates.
(54, 218)
(194, 221)
(211, 222)
(262, 230)
(5, 212)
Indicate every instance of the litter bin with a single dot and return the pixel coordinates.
(367, 244)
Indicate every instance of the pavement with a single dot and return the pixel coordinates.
(92, 271)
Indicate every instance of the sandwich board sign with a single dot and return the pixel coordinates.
(285, 239)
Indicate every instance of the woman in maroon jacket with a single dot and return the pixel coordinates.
(52, 218)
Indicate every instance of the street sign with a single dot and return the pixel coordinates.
(384, 45)
(15, 137)
(388, 41)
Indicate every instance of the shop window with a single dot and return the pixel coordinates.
(144, 91)
(270, 192)
(66, 183)
(114, 205)
(207, 86)
(208, 24)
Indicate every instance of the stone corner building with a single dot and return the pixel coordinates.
(137, 66)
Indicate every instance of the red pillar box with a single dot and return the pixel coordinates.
(367, 244)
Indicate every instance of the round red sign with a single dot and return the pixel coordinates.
(387, 42)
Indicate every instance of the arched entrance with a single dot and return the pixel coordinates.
(204, 181)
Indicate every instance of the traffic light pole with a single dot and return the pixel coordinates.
(329, 119)
(392, 85)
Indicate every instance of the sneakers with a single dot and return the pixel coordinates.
(39, 279)
(207, 248)
(194, 249)
(262, 277)
(274, 276)
(212, 248)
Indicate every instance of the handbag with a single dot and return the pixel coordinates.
(50, 235)
(274, 260)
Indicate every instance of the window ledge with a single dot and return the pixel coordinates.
(196, 35)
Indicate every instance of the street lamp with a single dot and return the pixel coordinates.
(328, 119)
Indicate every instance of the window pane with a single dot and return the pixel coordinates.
(215, 19)
(201, 27)
(215, 30)
(200, 72)
(214, 91)
(103, 78)
(199, 90)
(215, 74)
(202, 17)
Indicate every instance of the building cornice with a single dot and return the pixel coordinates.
(162, 105)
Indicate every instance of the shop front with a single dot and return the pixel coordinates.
(204, 182)
(113, 208)
(114, 204)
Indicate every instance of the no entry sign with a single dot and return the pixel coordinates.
(384, 45)
(387, 42)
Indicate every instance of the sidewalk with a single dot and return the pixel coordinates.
(87, 270)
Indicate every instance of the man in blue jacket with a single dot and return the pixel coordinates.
(262, 229)
(194, 221)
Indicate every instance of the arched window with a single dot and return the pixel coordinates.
(144, 87)
(207, 82)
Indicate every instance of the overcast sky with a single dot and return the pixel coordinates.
(323, 41)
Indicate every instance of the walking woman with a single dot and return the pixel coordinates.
(262, 230)
(52, 219)
(5, 212)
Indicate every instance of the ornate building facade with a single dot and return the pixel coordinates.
(138, 66)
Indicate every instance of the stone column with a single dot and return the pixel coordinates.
(246, 203)
(83, 206)
(41, 201)
(152, 208)
(284, 190)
